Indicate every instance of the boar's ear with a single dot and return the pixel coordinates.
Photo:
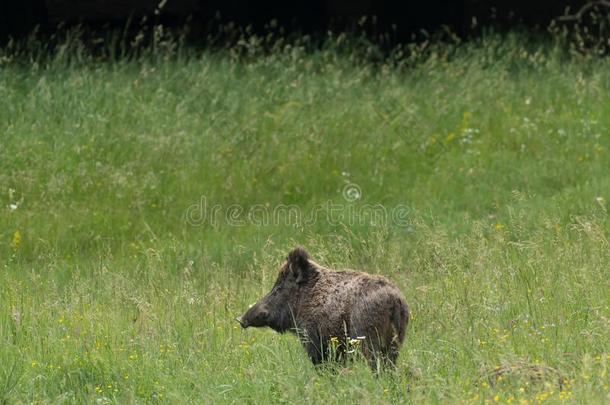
(299, 264)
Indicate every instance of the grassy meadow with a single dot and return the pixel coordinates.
(146, 201)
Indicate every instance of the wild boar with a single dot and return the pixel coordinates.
(327, 308)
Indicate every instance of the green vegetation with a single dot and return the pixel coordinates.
(499, 149)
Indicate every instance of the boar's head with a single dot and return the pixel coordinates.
(278, 308)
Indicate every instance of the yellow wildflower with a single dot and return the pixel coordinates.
(466, 119)
(16, 241)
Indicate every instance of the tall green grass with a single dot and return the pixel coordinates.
(497, 151)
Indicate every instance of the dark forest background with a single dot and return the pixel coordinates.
(397, 20)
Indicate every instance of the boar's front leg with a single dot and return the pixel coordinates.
(314, 353)
(313, 346)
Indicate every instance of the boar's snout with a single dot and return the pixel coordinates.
(256, 316)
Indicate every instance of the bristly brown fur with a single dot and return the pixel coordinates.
(319, 304)
(299, 257)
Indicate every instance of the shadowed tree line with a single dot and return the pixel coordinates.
(397, 20)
